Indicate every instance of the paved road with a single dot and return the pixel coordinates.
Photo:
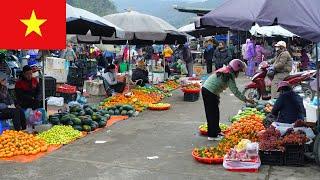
(171, 136)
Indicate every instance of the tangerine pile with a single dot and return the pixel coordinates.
(246, 128)
(13, 143)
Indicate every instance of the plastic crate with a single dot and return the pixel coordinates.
(272, 157)
(50, 86)
(191, 97)
(294, 155)
(68, 97)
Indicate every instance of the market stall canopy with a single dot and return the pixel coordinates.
(301, 17)
(269, 31)
(138, 26)
(208, 31)
(234, 14)
(80, 21)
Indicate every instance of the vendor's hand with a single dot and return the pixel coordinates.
(251, 101)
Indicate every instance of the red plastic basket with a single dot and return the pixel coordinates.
(203, 133)
(191, 91)
(207, 160)
(159, 108)
(67, 89)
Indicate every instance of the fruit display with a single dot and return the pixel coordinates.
(247, 111)
(270, 140)
(83, 119)
(159, 106)
(168, 86)
(208, 155)
(294, 137)
(60, 134)
(191, 88)
(268, 108)
(247, 127)
(13, 143)
(204, 128)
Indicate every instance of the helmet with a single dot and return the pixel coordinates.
(281, 44)
(263, 65)
(237, 65)
(283, 84)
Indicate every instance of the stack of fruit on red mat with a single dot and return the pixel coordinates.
(192, 88)
(60, 134)
(14, 143)
(168, 86)
(246, 127)
(86, 118)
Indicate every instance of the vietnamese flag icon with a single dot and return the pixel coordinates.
(33, 24)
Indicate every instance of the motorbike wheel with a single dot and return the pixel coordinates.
(316, 149)
(252, 93)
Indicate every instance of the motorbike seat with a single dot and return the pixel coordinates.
(292, 76)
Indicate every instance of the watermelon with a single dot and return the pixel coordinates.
(124, 113)
(111, 112)
(130, 113)
(77, 127)
(55, 120)
(102, 124)
(107, 116)
(116, 112)
(76, 121)
(86, 128)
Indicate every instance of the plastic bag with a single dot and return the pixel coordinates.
(282, 127)
(34, 117)
(241, 166)
(55, 101)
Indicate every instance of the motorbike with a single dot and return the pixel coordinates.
(258, 89)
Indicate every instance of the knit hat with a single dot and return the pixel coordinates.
(26, 68)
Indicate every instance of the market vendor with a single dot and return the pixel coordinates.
(110, 78)
(7, 107)
(28, 91)
(289, 106)
(213, 87)
(140, 75)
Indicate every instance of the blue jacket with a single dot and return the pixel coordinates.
(289, 108)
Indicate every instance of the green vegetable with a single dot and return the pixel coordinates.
(86, 128)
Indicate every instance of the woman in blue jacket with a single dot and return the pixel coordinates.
(289, 106)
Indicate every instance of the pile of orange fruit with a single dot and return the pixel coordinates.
(13, 143)
(246, 128)
(139, 99)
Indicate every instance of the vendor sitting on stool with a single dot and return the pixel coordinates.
(28, 91)
(289, 106)
(110, 77)
(7, 108)
(140, 75)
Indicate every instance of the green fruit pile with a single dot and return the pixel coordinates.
(247, 111)
(60, 134)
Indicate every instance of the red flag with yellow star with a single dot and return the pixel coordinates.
(33, 24)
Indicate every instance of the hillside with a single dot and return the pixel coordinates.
(99, 7)
(164, 8)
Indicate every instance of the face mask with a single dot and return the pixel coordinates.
(277, 48)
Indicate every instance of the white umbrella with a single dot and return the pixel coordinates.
(80, 22)
(270, 31)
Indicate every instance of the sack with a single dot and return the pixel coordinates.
(55, 101)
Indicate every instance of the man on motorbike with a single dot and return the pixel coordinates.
(282, 65)
(289, 106)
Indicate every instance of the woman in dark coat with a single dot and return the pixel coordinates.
(221, 56)
(140, 74)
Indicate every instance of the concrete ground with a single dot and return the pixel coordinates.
(170, 136)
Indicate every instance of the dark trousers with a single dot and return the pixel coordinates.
(218, 66)
(119, 87)
(17, 116)
(209, 66)
(211, 107)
